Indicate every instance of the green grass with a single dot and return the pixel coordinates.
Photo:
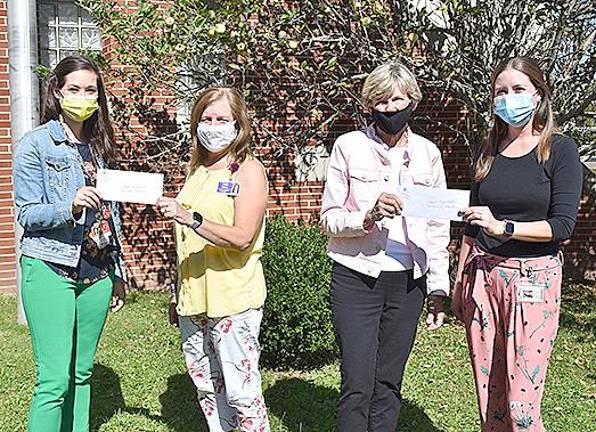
(140, 383)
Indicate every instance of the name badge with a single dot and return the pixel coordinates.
(530, 293)
(230, 188)
(101, 233)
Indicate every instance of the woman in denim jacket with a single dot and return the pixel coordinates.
(71, 266)
(385, 265)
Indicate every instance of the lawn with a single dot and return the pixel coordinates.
(140, 382)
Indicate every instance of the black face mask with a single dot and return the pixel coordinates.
(392, 122)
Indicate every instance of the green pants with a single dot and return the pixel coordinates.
(65, 320)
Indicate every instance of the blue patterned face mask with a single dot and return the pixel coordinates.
(515, 109)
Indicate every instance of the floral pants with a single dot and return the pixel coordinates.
(511, 312)
(222, 356)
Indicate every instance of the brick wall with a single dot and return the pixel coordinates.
(148, 247)
(7, 249)
(148, 240)
(580, 254)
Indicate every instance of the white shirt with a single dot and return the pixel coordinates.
(398, 256)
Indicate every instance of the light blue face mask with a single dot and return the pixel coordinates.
(515, 109)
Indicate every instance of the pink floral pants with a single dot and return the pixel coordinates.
(511, 313)
(222, 356)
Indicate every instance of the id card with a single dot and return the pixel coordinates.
(230, 188)
(100, 234)
(528, 292)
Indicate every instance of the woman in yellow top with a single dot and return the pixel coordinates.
(219, 230)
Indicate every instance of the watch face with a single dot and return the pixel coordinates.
(509, 228)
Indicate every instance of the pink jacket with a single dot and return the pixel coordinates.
(358, 172)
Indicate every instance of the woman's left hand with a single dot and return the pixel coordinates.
(118, 296)
(482, 217)
(436, 312)
(171, 208)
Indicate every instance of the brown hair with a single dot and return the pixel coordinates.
(97, 129)
(543, 116)
(240, 148)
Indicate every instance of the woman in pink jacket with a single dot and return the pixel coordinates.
(385, 265)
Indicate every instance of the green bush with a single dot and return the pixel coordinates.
(297, 331)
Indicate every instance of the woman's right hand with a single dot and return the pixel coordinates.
(172, 313)
(171, 208)
(387, 205)
(86, 197)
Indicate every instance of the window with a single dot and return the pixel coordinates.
(64, 29)
(192, 78)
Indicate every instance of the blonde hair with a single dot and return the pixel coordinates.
(240, 149)
(543, 122)
(385, 79)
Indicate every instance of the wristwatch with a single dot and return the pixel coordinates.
(509, 228)
(197, 220)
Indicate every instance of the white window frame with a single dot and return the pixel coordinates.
(84, 22)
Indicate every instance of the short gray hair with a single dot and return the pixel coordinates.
(382, 82)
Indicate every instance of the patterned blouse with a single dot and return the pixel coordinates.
(100, 246)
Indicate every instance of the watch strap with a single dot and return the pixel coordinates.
(197, 220)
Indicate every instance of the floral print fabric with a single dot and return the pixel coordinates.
(222, 357)
(510, 341)
(99, 248)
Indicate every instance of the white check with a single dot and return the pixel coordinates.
(129, 186)
(432, 203)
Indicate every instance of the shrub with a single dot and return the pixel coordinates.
(297, 331)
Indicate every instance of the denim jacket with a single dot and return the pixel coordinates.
(47, 174)
(359, 170)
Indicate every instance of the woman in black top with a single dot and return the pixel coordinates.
(524, 201)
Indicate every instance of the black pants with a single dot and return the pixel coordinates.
(375, 322)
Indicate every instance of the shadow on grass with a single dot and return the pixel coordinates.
(180, 410)
(179, 406)
(300, 405)
(303, 406)
(106, 396)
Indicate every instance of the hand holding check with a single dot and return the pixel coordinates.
(171, 208)
(86, 197)
(482, 217)
(387, 205)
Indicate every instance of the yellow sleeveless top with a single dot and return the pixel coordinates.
(214, 280)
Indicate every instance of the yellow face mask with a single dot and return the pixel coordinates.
(79, 110)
